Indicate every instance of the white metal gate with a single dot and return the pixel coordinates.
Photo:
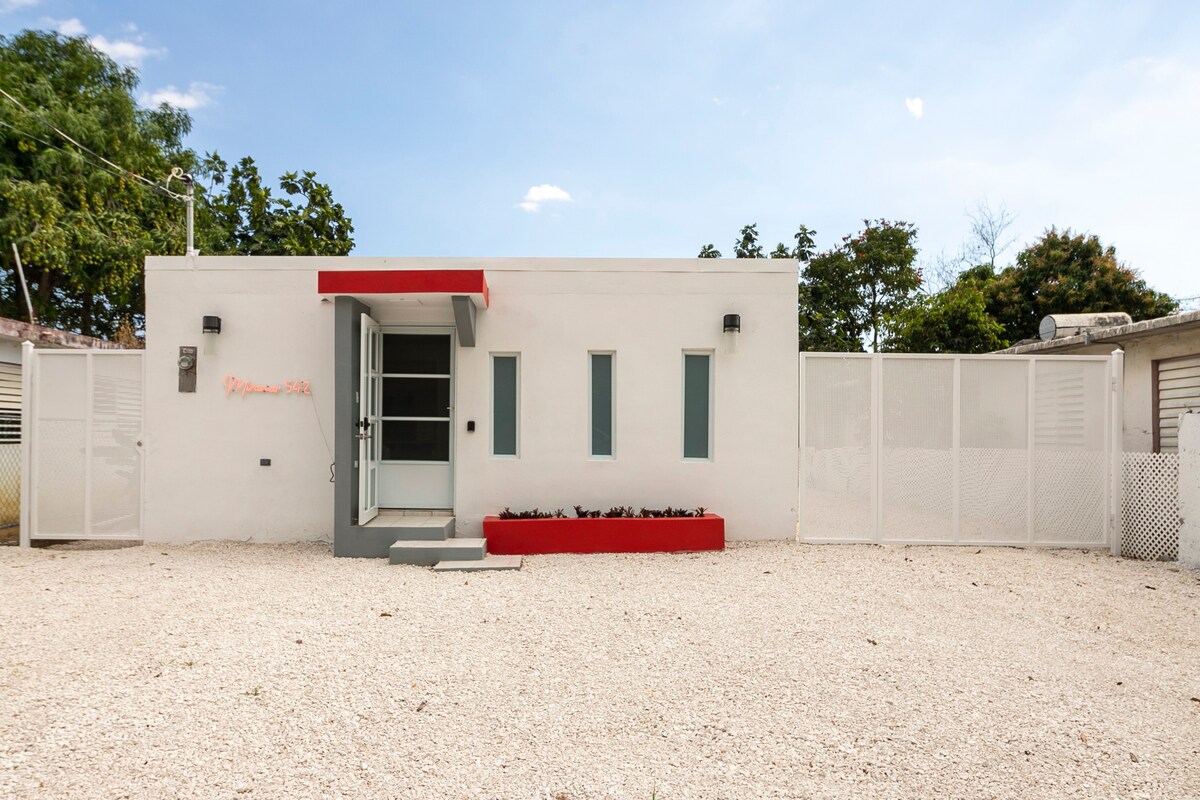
(949, 449)
(81, 444)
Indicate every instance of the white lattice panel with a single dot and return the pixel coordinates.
(1150, 506)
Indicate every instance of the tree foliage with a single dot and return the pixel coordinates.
(747, 246)
(239, 215)
(830, 304)
(709, 251)
(952, 321)
(1065, 273)
(82, 227)
(82, 174)
(852, 292)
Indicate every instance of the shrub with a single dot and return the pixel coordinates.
(616, 512)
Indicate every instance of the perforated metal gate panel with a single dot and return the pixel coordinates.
(957, 449)
(836, 482)
(84, 450)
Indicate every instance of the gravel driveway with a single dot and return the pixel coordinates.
(769, 670)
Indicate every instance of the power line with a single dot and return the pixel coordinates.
(94, 154)
(81, 157)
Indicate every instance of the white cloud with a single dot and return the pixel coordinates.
(543, 193)
(69, 27)
(198, 95)
(125, 51)
(915, 106)
(16, 5)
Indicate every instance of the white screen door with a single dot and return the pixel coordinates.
(369, 428)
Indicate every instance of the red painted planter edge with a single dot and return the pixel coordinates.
(604, 535)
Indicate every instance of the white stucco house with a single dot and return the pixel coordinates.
(292, 398)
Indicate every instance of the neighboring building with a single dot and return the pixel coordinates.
(1162, 369)
(337, 387)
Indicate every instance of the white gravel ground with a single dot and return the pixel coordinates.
(769, 670)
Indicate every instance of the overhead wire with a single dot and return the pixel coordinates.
(83, 158)
(118, 167)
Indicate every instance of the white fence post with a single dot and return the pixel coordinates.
(800, 449)
(955, 450)
(1117, 449)
(27, 474)
(876, 448)
(1030, 445)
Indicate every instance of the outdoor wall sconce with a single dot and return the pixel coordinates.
(210, 324)
(733, 323)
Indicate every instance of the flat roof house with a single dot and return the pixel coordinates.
(327, 391)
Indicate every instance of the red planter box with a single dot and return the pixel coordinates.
(526, 537)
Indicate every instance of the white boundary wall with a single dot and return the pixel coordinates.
(948, 449)
(1189, 490)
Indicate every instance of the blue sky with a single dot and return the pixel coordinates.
(461, 128)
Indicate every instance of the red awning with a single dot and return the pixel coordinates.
(404, 281)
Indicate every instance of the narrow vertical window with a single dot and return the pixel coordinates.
(505, 374)
(602, 404)
(697, 394)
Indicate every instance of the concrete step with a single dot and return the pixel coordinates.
(414, 528)
(428, 553)
(485, 563)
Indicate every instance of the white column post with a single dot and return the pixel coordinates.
(1189, 489)
(1116, 449)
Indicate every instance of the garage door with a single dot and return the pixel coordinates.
(1176, 390)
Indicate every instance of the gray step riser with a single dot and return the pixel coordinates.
(422, 534)
(435, 552)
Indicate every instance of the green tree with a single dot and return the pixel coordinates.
(781, 251)
(239, 216)
(853, 292)
(748, 246)
(709, 251)
(83, 226)
(806, 244)
(884, 253)
(1065, 273)
(952, 321)
(830, 304)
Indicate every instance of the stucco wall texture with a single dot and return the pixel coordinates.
(204, 480)
(1189, 490)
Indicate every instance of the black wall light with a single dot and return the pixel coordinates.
(212, 325)
(733, 323)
